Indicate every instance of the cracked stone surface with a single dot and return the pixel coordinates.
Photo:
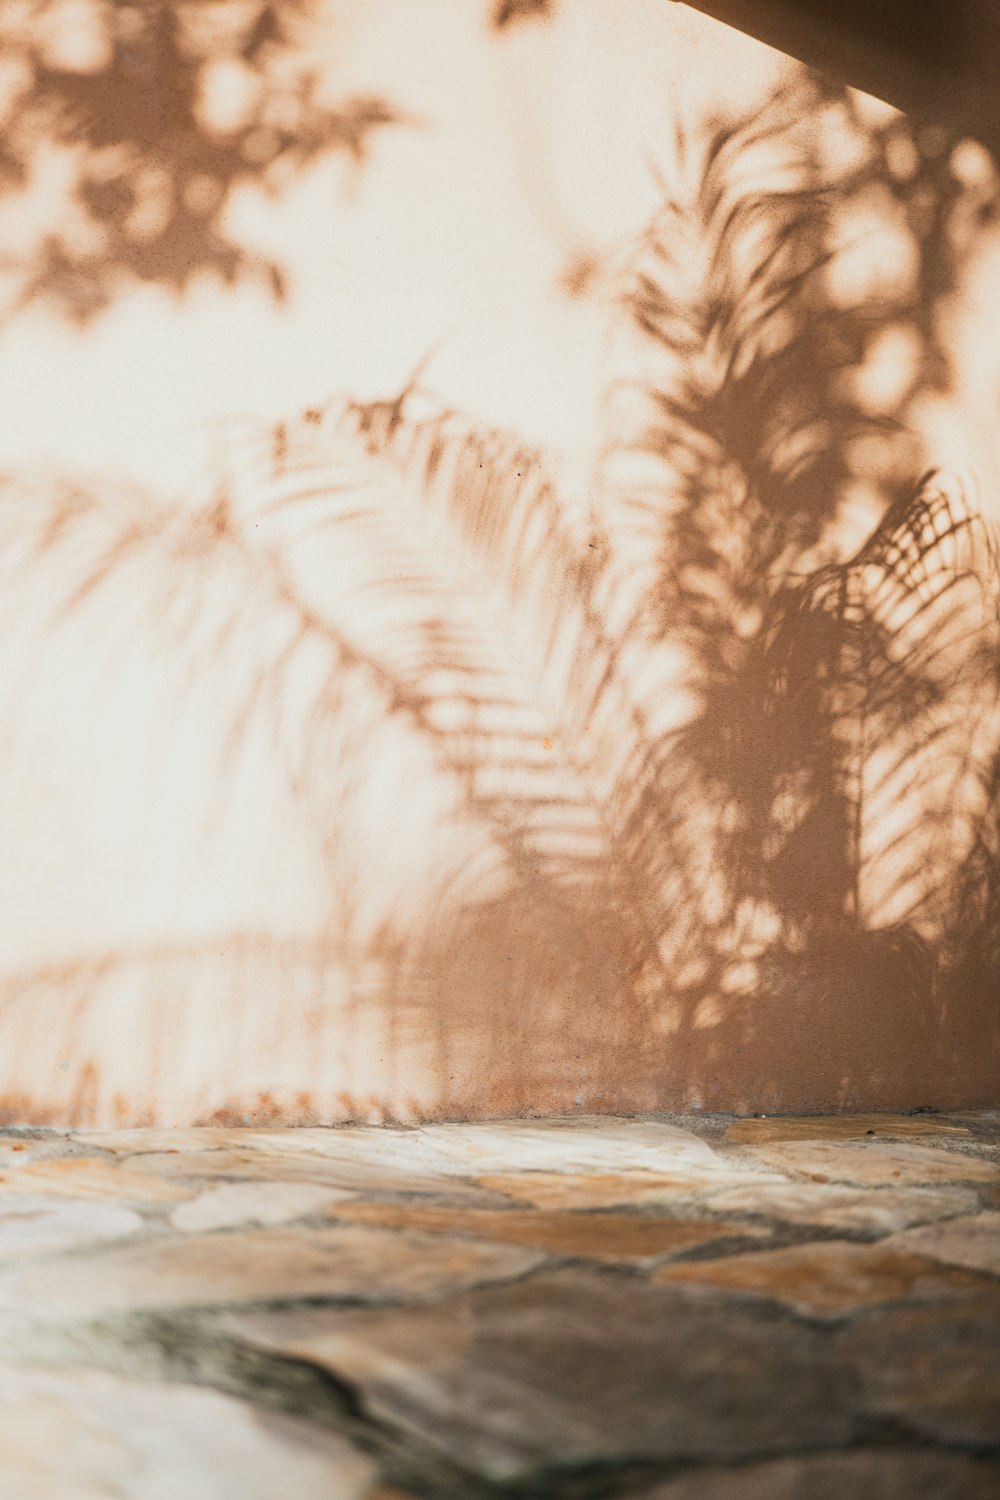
(575, 1368)
(685, 1309)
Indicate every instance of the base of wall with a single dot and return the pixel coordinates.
(262, 1034)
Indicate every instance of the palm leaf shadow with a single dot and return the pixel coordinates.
(812, 813)
(419, 608)
(533, 882)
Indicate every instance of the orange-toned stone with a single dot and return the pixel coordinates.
(303, 1166)
(589, 1236)
(839, 1128)
(875, 1163)
(826, 1277)
(17, 1153)
(376, 1148)
(344, 1261)
(613, 1189)
(91, 1177)
(154, 1138)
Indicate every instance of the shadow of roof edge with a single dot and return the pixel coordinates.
(934, 59)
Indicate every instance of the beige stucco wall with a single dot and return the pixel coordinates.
(316, 807)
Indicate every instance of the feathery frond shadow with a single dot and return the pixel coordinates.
(584, 811)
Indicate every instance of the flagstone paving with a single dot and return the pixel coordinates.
(685, 1309)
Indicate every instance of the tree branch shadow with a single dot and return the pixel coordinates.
(161, 112)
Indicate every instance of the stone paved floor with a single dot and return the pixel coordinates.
(696, 1309)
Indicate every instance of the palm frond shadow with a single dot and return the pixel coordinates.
(611, 810)
(837, 756)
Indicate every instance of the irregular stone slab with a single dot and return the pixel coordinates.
(141, 1140)
(16, 1153)
(92, 1177)
(574, 1367)
(256, 1265)
(558, 1190)
(405, 1152)
(32, 1225)
(590, 1236)
(875, 1163)
(973, 1242)
(436, 1159)
(252, 1202)
(839, 1128)
(574, 1146)
(826, 1277)
(258, 1166)
(881, 1211)
(78, 1434)
(892, 1475)
(933, 1367)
